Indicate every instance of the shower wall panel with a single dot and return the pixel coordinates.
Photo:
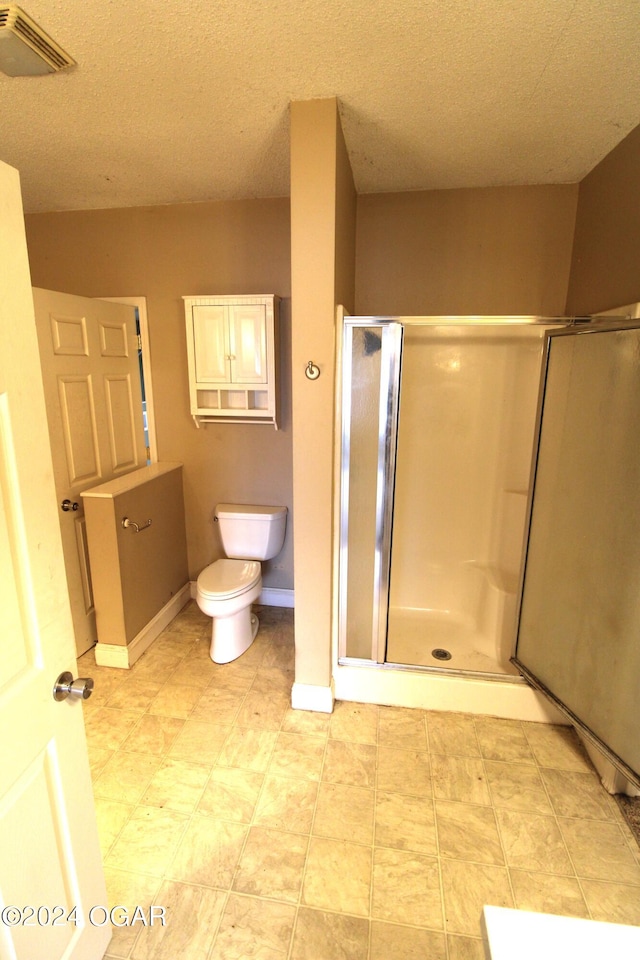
(467, 412)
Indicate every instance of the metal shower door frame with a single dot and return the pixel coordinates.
(391, 334)
(580, 720)
(391, 329)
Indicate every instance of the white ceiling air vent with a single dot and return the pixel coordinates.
(25, 49)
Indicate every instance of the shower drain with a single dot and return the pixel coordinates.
(440, 654)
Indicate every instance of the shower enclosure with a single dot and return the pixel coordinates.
(486, 470)
(438, 429)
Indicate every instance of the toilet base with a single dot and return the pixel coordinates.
(232, 636)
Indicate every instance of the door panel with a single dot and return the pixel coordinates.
(35, 796)
(90, 369)
(210, 344)
(248, 345)
(69, 335)
(580, 605)
(79, 431)
(113, 339)
(122, 421)
(49, 851)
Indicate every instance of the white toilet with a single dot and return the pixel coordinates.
(226, 588)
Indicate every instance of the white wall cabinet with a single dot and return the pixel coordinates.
(231, 350)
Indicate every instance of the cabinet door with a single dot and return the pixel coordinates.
(210, 344)
(248, 343)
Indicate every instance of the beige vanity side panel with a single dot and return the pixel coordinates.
(136, 574)
(102, 538)
(153, 563)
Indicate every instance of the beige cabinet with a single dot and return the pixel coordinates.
(231, 349)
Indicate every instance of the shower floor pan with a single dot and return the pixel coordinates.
(413, 635)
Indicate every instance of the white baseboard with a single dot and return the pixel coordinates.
(117, 655)
(308, 696)
(270, 596)
(112, 655)
(276, 597)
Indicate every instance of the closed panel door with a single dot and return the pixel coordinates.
(50, 865)
(248, 343)
(90, 370)
(210, 344)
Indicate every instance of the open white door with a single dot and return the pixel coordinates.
(50, 864)
(91, 374)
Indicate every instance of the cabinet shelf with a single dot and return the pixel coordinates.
(231, 351)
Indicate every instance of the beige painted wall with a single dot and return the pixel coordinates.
(499, 250)
(605, 268)
(164, 253)
(322, 272)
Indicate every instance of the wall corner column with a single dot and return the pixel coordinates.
(323, 208)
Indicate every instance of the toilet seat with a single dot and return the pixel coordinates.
(225, 579)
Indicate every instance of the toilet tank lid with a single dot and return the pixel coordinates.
(248, 511)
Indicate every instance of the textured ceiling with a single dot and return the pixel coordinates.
(190, 101)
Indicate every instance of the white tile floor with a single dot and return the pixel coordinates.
(375, 833)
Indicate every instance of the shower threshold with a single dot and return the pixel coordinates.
(444, 671)
(436, 688)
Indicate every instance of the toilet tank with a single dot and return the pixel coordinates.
(250, 531)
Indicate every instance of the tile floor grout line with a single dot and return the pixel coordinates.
(545, 787)
(497, 825)
(439, 857)
(571, 859)
(299, 903)
(256, 805)
(231, 890)
(223, 910)
(251, 823)
(372, 857)
(303, 877)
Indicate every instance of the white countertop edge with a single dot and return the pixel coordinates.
(543, 936)
(128, 481)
